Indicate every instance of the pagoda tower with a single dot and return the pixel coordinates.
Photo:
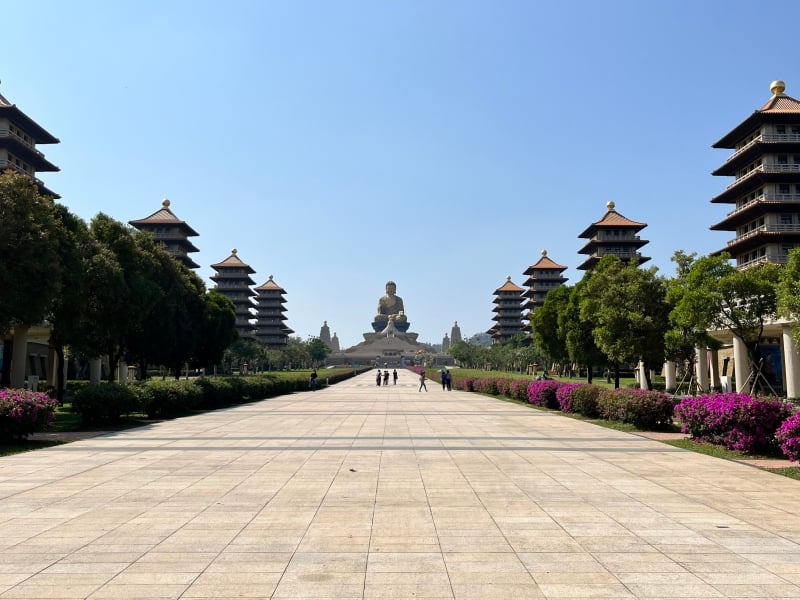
(508, 309)
(765, 192)
(335, 343)
(168, 229)
(325, 334)
(543, 276)
(455, 334)
(613, 234)
(233, 281)
(271, 329)
(445, 343)
(19, 135)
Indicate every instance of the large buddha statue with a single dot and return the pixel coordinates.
(390, 308)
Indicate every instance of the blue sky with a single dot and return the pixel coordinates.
(440, 144)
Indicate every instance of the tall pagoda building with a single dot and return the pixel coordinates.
(19, 135)
(613, 234)
(168, 229)
(325, 334)
(765, 192)
(271, 329)
(508, 309)
(233, 281)
(455, 334)
(543, 276)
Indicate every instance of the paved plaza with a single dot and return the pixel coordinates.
(359, 491)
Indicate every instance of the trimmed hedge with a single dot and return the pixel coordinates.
(644, 409)
(23, 412)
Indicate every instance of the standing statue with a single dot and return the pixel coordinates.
(390, 307)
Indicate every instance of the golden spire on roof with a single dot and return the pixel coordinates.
(544, 253)
(610, 205)
(165, 203)
(777, 87)
(233, 251)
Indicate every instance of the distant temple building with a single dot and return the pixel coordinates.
(613, 234)
(765, 192)
(543, 276)
(19, 135)
(325, 334)
(455, 334)
(168, 229)
(508, 309)
(335, 343)
(233, 281)
(271, 329)
(445, 343)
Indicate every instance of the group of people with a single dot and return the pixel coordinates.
(384, 377)
(447, 380)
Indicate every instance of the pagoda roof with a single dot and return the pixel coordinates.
(777, 108)
(165, 216)
(508, 286)
(270, 285)
(233, 261)
(612, 219)
(544, 262)
(31, 127)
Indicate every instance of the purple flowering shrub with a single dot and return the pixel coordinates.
(543, 393)
(518, 389)
(584, 400)
(645, 409)
(466, 384)
(503, 386)
(564, 396)
(486, 385)
(788, 437)
(736, 421)
(23, 412)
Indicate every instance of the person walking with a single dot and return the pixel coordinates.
(448, 380)
(378, 377)
(422, 381)
(394, 376)
(386, 377)
(444, 379)
(313, 382)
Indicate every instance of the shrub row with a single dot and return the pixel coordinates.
(23, 412)
(109, 402)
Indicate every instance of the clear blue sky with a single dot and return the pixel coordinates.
(441, 144)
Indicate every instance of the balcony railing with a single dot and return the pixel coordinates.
(766, 169)
(793, 228)
(6, 133)
(770, 137)
(782, 198)
(769, 257)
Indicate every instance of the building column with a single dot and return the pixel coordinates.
(52, 368)
(19, 356)
(701, 368)
(670, 376)
(95, 371)
(792, 362)
(714, 365)
(741, 366)
(642, 378)
(122, 372)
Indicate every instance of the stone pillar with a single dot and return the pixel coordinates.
(792, 362)
(95, 371)
(701, 367)
(122, 372)
(19, 356)
(714, 364)
(741, 366)
(642, 378)
(52, 367)
(670, 376)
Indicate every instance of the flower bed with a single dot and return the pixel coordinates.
(23, 412)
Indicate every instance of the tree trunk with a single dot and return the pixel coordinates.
(60, 384)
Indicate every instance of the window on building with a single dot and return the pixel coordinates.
(783, 159)
(785, 219)
(783, 188)
(780, 129)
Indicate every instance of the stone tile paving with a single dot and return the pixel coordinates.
(359, 491)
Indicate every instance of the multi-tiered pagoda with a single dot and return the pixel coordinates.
(169, 230)
(233, 281)
(271, 329)
(19, 135)
(543, 276)
(508, 309)
(613, 234)
(766, 190)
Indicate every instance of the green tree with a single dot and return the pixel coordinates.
(547, 333)
(317, 350)
(630, 312)
(217, 330)
(720, 296)
(30, 269)
(575, 324)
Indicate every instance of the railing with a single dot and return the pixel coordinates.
(766, 169)
(6, 133)
(793, 228)
(601, 253)
(769, 257)
(771, 137)
(782, 198)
